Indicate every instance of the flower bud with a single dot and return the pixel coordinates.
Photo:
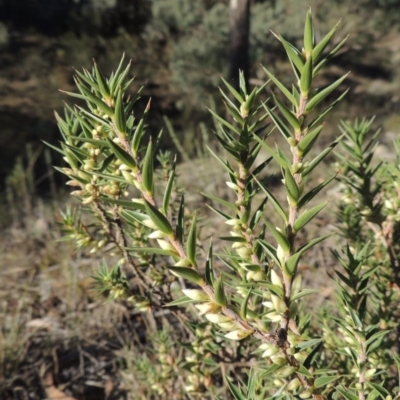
(208, 308)
(270, 351)
(276, 279)
(156, 235)
(293, 385)
(196, 294)
(217, 318)
(238, 334)
(278, 359)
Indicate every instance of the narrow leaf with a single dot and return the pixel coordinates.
(148, 169)
(324, 93)
(307, 216)
(188, 273)
(219, 292)
(308, 34)
(307, 143)
(191, 242)
(120, 119)
(290, 117)
(159, 219)
(282, 88)
(122, 155)
(279, 237)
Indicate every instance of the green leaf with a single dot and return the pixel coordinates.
(307, 143)
(273, 200)
(304, 292)
(222, 162)
(306, 78)
(168, 190)
(88, 80)
(279, 237)
(147, 169)
(279, 124)
(308, 34)
(188, 273)
(320, 47)
(347, 393)
(223, 122)
(218, 200)
(180, 301)
(291, 263)
(270, 250)
(219, 292)
(209, 270)
(103, 86)
(234, 92)
(324, 380)
(180, 220)
(282, 88)
(307, 216)
(376, 336)
(131, 204)
(313, 192)
(121, 154)
(237, 393)
(238, 239)
(308, 344)
(243, 306)
(275, 155)
(159, 219)
(319, 158)
(191, 242)
(289, 116)
(120, 118)
(317, 98)
(114, 77)
(292, 53)
(151, 250)
(89, 96)
(138, 134)
(291, 185)
(379, 388)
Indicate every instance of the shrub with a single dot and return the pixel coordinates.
(236, 317)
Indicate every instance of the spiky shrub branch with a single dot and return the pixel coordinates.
(103, 144)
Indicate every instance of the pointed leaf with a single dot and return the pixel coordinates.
(324, 380)
(158, 218)
(320, 47)
(291, 263)
(103, 86)
(148, 169)
(188, 273)
(307, 216)
(289, 116)
(324, 93)
(308, 34)
(234, 92)
(307, 143)
(291, 185)
(120, 119)
(219, 292)
(282, 88)
(168, 190)
(313, 192)
(306, 78)
(273, 200)
(191, 242)
(279, 237)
